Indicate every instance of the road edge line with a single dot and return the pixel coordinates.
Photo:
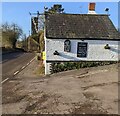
(23, 67)
(4, 80)
(16, 72)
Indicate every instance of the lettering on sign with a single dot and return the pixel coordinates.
(82, 49)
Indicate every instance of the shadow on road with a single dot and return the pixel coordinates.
(10, 56)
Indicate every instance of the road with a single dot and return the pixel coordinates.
(13, 63)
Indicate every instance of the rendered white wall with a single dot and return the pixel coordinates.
(96, 51)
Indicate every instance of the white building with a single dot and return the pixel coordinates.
(80, 37)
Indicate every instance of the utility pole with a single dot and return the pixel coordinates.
(37, 16)
(28, 42)
(36, 26)
(14, 42)
(25, 42)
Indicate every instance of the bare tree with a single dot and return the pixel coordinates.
(11, 32)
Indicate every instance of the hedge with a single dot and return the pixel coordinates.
(64, 66)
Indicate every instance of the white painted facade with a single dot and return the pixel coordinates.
(95, 51)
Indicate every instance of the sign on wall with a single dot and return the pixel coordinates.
(82, 49)
(67, 45)
(43, 55)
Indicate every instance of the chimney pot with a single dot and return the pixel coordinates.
(91, 8)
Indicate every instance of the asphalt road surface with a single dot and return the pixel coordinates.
(12, 63)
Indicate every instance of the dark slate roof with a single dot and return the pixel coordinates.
(87, 26)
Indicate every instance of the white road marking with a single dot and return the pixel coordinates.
(23, 67)
(4, 80)
(16, 72)
(28, 64)
(32, 59)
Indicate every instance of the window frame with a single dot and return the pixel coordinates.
(67, 49)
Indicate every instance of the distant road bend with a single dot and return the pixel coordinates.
(12, 63)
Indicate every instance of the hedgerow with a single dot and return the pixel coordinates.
(64, 66)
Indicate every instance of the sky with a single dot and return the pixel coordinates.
(18, 12)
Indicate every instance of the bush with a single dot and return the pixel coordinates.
(64, 66)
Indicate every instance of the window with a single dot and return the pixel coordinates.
(82, 49)
(67, 46)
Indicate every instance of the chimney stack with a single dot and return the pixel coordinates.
(91, 8)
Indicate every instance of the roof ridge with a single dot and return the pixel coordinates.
(78, 14)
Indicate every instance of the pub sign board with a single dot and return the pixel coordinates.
(82, 49)
(67, 46)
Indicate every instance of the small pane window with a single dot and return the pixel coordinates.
(67, 46)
